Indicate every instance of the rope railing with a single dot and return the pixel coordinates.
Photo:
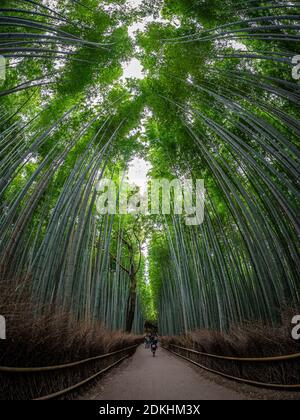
(241, 359)
(45, 369)
(64, 366)
(79, 384)
(292, 387)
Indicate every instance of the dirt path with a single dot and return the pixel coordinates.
(165, 377)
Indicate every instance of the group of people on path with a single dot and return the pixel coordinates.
(151, 342)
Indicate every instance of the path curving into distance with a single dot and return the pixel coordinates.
(165, 377)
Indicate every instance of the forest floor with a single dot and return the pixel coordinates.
(165, 377)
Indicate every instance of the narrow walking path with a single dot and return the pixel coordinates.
(165, 377)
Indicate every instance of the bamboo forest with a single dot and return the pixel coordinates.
(95, 93)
